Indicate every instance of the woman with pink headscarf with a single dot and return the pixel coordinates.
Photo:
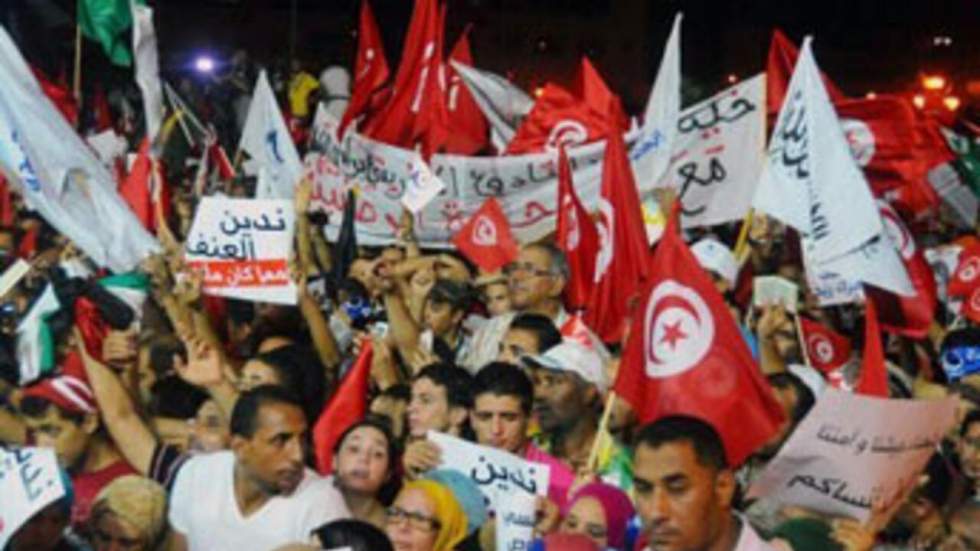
(600, 511)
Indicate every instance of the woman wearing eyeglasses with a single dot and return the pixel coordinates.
(426, 517)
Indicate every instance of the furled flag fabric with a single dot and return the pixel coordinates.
(135, 188)
(347, 406)
(35, 344)
(596, 94)
(61, 96)
(826, 349)
(503, 104)
(652, 153)
(965, 282)
(468, 132)
(370, 68)
(345, 250)
(486, 239)
(147, 67)
(57, 173)
(873, 379)
(912, 315)
(621, 266)
(558, 118)
(106, 22)
(686, 356)
(577, 237)
(779, 67)
(416, 112)
(266, 139)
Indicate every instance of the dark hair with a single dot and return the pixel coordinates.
(245, 414)
(459, 296)
(355, 534)
(504, 379)
(162, 349)
(967, 336)
(804, 396)
(401, 391)
(456, 380)
(939, 481)
(36, 407)
(708, 447)
(300, 372)
(971, 418)
(543, 328)
(379, 425)
(172, 397)
(239, 311)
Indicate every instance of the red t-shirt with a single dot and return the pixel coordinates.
(88, 485)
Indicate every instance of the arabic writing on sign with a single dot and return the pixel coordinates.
(488, 474)
(715, 112)
(888, 443)
(236, 240)
(29, 480)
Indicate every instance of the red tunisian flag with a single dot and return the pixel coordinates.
(873, 379)
(135, 189)
(416, 111)
(597, 95)
(347, 406)
(686, 356)
(557, 118)
(577, 236)
(825, 349)
(621, 266)
(907, 316)
(965, 282)
(486, 238)
(779, 69)
(371, 68)
(61, 97)
(469, 133)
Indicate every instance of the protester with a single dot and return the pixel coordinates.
(129, 513)
(600, 511)
(364, 464)
(353, 534)
(426, 517)
(441, 401)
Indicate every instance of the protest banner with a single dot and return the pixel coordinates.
(849, 457)
(497, 473)
(515, 522)
(242, 246)
(722, 134)
(29, 481)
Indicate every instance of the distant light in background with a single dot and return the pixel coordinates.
(732, 78)
(204, 64)
(871, 95)
(934, 82)
(538, 91)
(542, 45)
(919, 101)
(942, 40)
(951, 102)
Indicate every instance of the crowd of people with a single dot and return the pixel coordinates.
(184, 422)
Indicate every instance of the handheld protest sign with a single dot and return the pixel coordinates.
(242, 247)
(29, 481)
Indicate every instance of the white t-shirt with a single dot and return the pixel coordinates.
(204, 510)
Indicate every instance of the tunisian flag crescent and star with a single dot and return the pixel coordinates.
(685, 356)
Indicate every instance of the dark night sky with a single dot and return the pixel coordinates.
(861, 44)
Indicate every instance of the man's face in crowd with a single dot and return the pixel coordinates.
(68, 438)
(530, 279)
(681, 503)
(209, 432)
(561, 399)
(429, 408)
(440, 317)
(785, 341)
(273, 456)
(516, 344)
(499, 422)
(497, 298)
(112, 533)
(968, 448)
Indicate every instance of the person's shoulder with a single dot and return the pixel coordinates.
(316, 485)
(206, 464)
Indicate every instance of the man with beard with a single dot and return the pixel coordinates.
(259, 495)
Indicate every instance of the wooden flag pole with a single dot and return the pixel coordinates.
(77, 82)
(802, 338)
(590, 466)
(741, 244)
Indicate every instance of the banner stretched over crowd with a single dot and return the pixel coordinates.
(716, 164)
(243, 248)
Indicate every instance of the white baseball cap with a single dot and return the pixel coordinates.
(573, 357)
(715, 257)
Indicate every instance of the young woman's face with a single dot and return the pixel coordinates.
(362, 464)
(587, 517)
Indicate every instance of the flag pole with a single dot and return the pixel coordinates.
(741, 244)
(77, 81)
(590, 466)
(799, 336)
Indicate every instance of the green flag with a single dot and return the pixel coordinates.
(106, 22)
(967, 163)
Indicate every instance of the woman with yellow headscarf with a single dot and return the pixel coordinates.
(425, 517)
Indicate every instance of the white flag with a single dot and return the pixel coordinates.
(717, 154)
(32, 344)
(266, 139)
(502, 103)
(651, 155)
(147, 67)
(810, 179)
(59, 175)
